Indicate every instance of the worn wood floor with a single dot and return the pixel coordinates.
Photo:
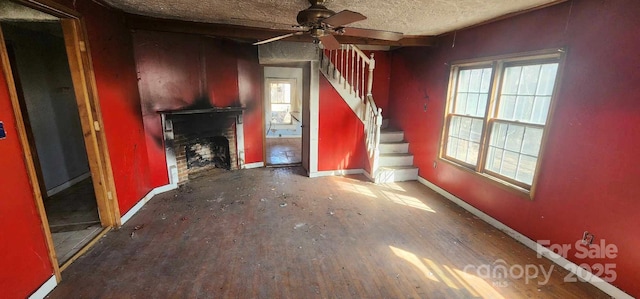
(273, 233)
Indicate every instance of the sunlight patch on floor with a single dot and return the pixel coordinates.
(393, 186)
(453, 278)
(364, 190)
(415, 261)
(406, 200)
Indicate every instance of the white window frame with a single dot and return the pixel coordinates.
(498, 64)
(292, 104)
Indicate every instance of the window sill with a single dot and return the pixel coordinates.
(516, 190)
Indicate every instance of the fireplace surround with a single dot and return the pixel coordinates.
(202, 139)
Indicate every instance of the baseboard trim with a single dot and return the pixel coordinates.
(144, 201)
(338, 172)
(57, 189)
(45, 288)
(596, 281)
(253, 165)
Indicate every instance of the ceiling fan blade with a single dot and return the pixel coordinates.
(343, 18)
(370, 33)
(273, 39)
(329, 42)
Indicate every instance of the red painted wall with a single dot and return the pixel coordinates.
(341, 133)
(180, 70)
(381, 79)
(22, 243)
(169, 72)
(589, 174)
(250, 91)
(113, 63)
(24, 256)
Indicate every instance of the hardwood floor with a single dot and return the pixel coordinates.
(273, 233)
(283, 151)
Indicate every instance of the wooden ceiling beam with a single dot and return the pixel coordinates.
(253, 34)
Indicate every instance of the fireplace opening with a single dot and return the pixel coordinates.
(209, 152)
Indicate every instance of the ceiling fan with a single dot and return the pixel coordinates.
(322, 24)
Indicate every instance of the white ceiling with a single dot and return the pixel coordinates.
(411, 17)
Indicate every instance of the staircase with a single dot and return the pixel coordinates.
(350, 72)
(395, 164)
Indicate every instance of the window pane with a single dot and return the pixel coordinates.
(486, 81)
(507, 107)
(472, 104)
(475, 80)
(514, 137)
(463, 142)
(472, 155)
(280, 93)
(482, 107)
(461, 103)
(531, 142)
(526, 92)
(494, 159)
(499, 134)
(463, 80)
(529, 80)
(509, 164)
(511, 80)
(452, 146)
(547, 79)
(540, 110)
(526, 169)
(513, 150)
(524, 106)
(476, 130)
(472, 94)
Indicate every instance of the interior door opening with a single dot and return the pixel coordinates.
(283, 116)
(55, 131)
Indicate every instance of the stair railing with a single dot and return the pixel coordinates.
(352, 68)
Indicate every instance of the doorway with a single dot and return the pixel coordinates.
(283, 115)
(46, 62)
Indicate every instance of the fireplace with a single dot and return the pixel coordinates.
(199, 140)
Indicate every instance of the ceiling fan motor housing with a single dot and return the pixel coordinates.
(312, 16)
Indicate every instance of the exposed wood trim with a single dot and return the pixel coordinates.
(51, 7)
(91, 119)
(252, 34)
(28, 158)
(85, 248)
(506, 16)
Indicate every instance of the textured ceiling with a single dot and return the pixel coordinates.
(411, 17)
(10, 11)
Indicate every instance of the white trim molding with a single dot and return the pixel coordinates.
(144, 201)
(541, 250)
(339, 172)
(45, 288)
(253, 165)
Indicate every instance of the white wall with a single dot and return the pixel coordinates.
(48, 91)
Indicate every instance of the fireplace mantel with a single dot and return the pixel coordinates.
(229, 110)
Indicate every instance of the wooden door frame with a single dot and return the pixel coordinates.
(85, 90)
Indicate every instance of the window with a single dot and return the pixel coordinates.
(281, 93)
(497, 113)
